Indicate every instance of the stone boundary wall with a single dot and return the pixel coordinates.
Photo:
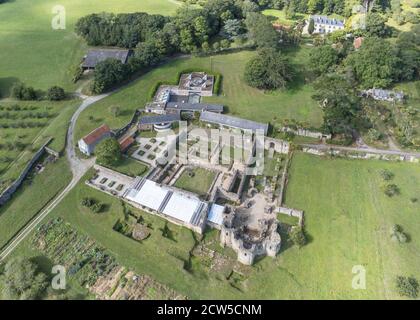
(360, 155)
(8, 193)
(292, 213)
(307, 133)
(120, 132)
(284, 179)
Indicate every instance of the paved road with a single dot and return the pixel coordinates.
(78, 167)
(359, 149)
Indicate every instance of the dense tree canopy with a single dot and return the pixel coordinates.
(323, 59)
(340, 102)
(375, 25)
(22, 92)
(122, 30)
(56, 93)
(261, 31)
(409, 55)
(375, 64)
(268, 70)
(22, 280)
(109, 73)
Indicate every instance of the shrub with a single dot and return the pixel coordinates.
(407, 287)
(21, 92)
(77, 75)
(56, 93)
(298, 237)
(218, 84)
(387, 175)
(397, 234)
(92, 204)
(391, 190)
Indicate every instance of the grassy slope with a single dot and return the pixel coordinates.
(348, 218)
(280, 16)
(31, 198)
(32, 52)
(35, 137)
(239, 98)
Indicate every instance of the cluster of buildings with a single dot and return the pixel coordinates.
(247, 220)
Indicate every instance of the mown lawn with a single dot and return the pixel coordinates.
(238, 98)
(32, 52)
(280, 16)
(200, 183)
(348, 219)
(130, 167)
(31, 197)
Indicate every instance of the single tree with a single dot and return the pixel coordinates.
(108, 152)
(311, 26)
(268, 70)
(56, 93)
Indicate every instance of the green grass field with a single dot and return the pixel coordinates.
(280, 16)
(32, 52)
(33, 195)
(52, 117)
(238, 98)
(347, 219)
(200, 183)
(130, 167)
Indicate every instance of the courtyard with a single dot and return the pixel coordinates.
(196, 180)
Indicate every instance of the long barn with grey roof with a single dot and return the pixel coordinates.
(233, 122)
(95, 56)
(193, 107)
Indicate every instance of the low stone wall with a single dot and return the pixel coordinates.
(307, 133)
(8, 193)
(360, 155)
(292, 213)
(279, 146)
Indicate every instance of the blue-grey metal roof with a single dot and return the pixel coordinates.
(194, 106)
(164, 118)
(327, 21)
(233, 122)
(95, 56)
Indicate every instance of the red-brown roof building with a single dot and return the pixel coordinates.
(88, 143)
(126, 142)
(357, 43)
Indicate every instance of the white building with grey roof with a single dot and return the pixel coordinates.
(325, 25)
